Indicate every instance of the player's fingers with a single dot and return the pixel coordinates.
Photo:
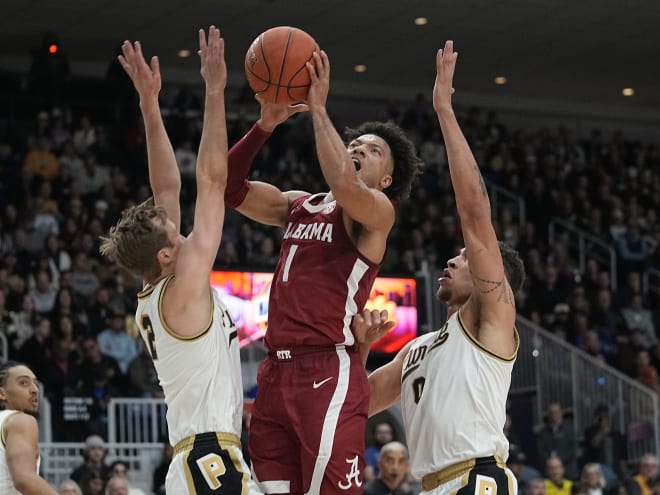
(299, 107)
(312, 70)
(124, 63)
(138, 49)
(202, 40)
(126, 48)
(388, 326)
(155, 65)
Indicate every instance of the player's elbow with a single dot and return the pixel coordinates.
(22, 481)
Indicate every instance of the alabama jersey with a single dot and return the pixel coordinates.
(319, 268)
(6, 483)
(453, 399)
(200, 375)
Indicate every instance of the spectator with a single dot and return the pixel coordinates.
(37, 350)
(592, 479)
(116, 343)
(158, 485)
(119, 470)
(84, 137)
(22, 322)
(535, 486)
(43, 293)
(646, 372)
(633, 248)
(555, 481)
(642, 482)
(93, 462)
(557, 438)
(524, 473)
(92, 482)
(142, 376)
(69, 487)
(61, 380)
(382, 433)
(605, 444)
(41, 161)
(636, 316)
(392, 472)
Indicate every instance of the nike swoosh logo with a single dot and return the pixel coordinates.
(317, 385)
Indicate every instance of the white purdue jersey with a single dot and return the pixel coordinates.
(200, 375)
(6, 483)
(453, 399)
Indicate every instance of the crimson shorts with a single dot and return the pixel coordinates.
(307, 431)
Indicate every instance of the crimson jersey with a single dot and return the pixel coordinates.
(321, 280)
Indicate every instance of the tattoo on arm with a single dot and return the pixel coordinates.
(484, 191)
(506, 294)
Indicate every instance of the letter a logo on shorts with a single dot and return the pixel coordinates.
(352, 475)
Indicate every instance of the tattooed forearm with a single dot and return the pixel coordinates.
(486, 286)
(481, 180)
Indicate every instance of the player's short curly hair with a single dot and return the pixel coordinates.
(407, 165)
(136, 239)
(4, 374)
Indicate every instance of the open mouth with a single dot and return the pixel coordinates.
(356, 164)
(446, 273)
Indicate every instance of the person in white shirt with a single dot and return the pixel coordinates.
(453, 383)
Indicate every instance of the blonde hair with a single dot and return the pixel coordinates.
(136, 239)
(595, 467)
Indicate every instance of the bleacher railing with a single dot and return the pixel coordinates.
(58, 460)
(551, 370)
(136, 420)
(585, 245)
(501, 199)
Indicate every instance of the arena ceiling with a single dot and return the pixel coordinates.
(582, 51)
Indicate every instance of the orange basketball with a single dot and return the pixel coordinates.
(275, 64)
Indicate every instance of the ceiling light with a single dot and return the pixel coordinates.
(183, 53)
(500, 80)
(360, 68)
(420, 21)
(628, 92)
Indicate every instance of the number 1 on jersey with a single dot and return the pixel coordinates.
(289, 260)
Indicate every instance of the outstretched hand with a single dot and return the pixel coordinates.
(371, 325)
(319, 72)
(445, 62)
(146, 78)
(212, 55)
(273, 114)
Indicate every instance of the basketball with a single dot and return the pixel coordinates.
(275, 64)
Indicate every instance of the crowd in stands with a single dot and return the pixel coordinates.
(66, 174)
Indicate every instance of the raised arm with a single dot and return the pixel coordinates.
(491, 302)
(164, 175)
(21, 437)
(261, 202)
(368, 206)
(188, 297)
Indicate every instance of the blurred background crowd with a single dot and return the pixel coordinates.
(71, 161)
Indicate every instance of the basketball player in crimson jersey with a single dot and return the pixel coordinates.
(307, 430)
(453, 383)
